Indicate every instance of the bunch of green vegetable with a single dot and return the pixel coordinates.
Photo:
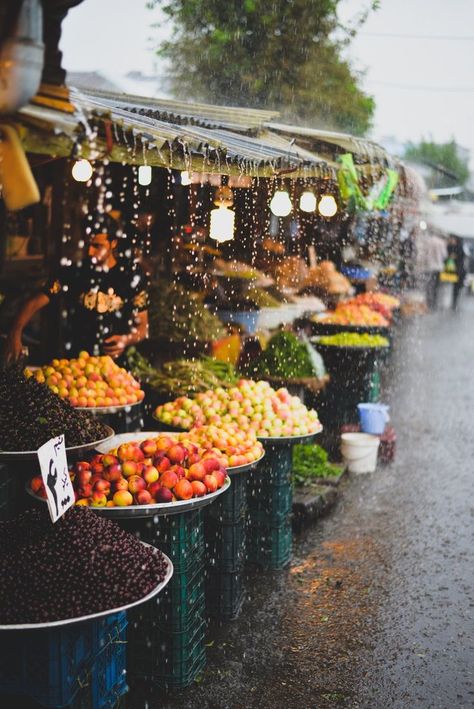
(179, 315)
(182, 377)
(262, 298)
(286, 357)
(353, 339)
(311, 461)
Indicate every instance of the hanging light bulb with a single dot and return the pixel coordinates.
(144, 175)
(222, 219)
(185, 178)
(82, 170)
(281, 205)
(308, 201)
(327, 206)
(222, 224)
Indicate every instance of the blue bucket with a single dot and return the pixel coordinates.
(373, 418)
(247, 318)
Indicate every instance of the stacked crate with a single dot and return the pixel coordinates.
(225, 535)
(167, 635)
(270, 500)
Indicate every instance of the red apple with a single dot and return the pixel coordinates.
(83, 477)
(85, 490)
(102, 486)
(97, 468)
(80, 466)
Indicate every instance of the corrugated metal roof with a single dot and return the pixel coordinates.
(185, 136)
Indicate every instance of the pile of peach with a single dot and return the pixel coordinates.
(160, 470)
(89, 381)
(228, 443)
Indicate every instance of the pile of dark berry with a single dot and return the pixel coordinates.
(83, 564)
(31, 414)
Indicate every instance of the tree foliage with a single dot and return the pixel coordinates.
(276, 54)
(448, 165)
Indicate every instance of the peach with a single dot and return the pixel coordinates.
(136, 483)
(164, 494)
(126, 451)
(183, 489)
(179, 470)
(83, 477)
(110, 503)
(108, 459)
(129, 467)
(98, 499)
(83, 502)
(164, 443)
(36, 483)
(169, 479)
(82, 465)
(210, 481)
(123, 498)
(85, 490)
(220, 477)
(148, 447)
(113, 473)
(163, 465)
(194, 458)
(176, 454)
(150, 474)
(153, 488)
(121, 484)
(197, 471)
(211, 464)
(97, 468)
(102, 486)
(199, 489)
(143, 497)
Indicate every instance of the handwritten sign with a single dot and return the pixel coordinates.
(54, 470)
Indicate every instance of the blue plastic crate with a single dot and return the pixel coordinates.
(107, 676)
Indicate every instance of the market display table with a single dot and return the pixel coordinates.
(123, 419)
(270, 500)
(80, 661)
(225, 534)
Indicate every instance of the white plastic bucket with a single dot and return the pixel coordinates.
(359, 451)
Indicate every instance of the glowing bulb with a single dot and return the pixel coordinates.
(185, 178)
(222, 224)
(308, 201)
(82, 170)
(327, 206)
(144, 175)
(281, 204)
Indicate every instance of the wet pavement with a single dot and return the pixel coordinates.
(377, 608)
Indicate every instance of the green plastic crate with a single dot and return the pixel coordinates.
(224, 594)
(270, 547)
(225, 545)
(274, 501)
(231, 506)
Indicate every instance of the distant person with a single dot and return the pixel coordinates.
(437, 252)
(457, 256)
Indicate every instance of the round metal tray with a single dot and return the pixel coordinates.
(160, 509)
(101, 614)
(31, 455)
(108, 409)
(120, 438)
(289, 440)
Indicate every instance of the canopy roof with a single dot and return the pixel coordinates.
(180, 135)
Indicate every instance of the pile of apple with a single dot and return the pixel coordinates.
(252, 406)
(89, 381)
(231, 445)
(161, 470)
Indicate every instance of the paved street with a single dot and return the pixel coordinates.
(377, 609)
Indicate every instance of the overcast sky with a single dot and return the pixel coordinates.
(418, 56)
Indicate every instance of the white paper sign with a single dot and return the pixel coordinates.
(55, 473)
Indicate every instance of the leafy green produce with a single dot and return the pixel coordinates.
(262, 298)
(182, 377)
(285, 356)
(353, 339)
(179, 315)
(311, 461)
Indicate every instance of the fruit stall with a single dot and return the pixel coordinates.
(181, 454)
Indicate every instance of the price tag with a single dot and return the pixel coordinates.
(57, 483)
